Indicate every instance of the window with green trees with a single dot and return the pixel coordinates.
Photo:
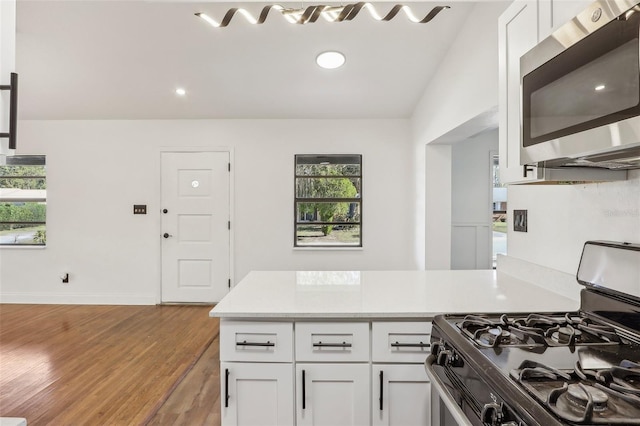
(23, 201)
(328, 200)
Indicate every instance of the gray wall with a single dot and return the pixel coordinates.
(471, 195)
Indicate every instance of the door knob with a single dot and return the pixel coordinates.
(167, 235)
(165, 211)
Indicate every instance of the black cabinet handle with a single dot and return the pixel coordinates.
(304, 391)
(410, 345)
(165, 211)
(245, 343)
(167, 235)
(332, 345)
(381, 387)
(13, 110)
(226, 387)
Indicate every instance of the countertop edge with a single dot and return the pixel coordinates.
(320, 315)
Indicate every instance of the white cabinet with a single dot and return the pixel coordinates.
(332, 341)
(7, 66)
(555, 13)
(517, 33)
(256, 373)
(401, 392)
(401, 395)
(256, 341)
(332, 394)
(254, 393)
(401, 342)
(324, 373)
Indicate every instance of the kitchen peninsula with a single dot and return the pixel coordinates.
(348, 347)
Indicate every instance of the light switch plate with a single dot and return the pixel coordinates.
(139, 209)
(520, 220)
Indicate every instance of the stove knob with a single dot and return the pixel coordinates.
(435, 347)
(443, 357)
(455, 360)
(492, 414)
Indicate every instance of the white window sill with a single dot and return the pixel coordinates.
(20, 247)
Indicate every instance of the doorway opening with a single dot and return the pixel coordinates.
(499, 214)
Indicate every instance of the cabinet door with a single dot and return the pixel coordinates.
(401, 395)
(517, 34)
(257, 394)
(555, 13)
(332, 394)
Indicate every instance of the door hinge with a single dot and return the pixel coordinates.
(229, 282)
(229, 225)
(229, 166)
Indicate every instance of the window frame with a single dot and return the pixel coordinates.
(297, 200)
(25, 160)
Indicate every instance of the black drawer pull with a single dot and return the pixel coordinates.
(245, 343)
(332, 345)
(410, 345)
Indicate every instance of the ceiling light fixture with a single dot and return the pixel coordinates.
(311, 14)
(600, 87)
(330, 60)
(180, 91)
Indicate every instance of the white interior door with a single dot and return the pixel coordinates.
(195, 226)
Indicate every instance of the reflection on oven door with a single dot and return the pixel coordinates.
(445, 411)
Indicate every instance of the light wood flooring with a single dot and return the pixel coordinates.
(109, 365)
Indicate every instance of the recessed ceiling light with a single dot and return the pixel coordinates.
(180, 91)
(330, 60)
(600, 87)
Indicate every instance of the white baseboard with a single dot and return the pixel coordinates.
(77, 299)
(556, 281)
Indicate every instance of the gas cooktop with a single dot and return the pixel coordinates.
(552, 368)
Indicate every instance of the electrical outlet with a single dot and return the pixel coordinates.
(520, 220)
(139, 209)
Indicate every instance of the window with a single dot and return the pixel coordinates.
(23, 201)
(328, 201)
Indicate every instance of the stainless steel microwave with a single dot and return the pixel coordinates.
(580, 91)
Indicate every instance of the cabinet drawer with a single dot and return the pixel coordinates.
(400, 341)
(335, 341)
(256, 341)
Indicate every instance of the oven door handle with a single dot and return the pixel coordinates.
(445, 396)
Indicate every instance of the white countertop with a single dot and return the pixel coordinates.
(384, 294)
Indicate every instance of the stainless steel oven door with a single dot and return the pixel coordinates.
(445, 411)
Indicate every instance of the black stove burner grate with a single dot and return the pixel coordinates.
(537, 330)
(599, 397)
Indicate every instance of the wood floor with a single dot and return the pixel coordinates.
(109, 365)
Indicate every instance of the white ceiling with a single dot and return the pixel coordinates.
(123, 59)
